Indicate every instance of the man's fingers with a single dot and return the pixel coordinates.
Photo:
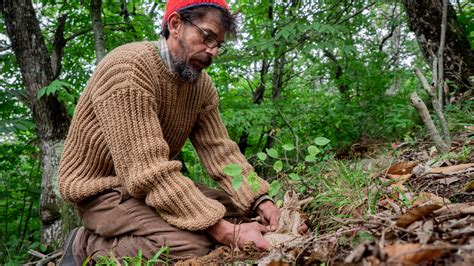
(274, 221)
(263, 244)
(303, 228)
(262, 228)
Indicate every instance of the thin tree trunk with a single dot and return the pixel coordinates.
(278, 72)
(49, 114)
(430, 127)
(98, 29)
(260, 90)
(424, 18)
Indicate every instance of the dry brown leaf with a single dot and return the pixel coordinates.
(278, 263)
(427, 197)
(412, 253)
(451, 169)
(469, 186)
(399, 177)
(401, 168)
(357, 254)
(468, 210)
(416, 213)
(454, 208)
(449, 181)
(425, 232)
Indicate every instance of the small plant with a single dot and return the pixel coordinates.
(138, 260)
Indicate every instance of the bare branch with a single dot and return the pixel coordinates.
(357, 12)
(436, 106)
(430, 127)
(440, 53)
(89, 29)
(152, 12)
(58, 46)
(5, 48)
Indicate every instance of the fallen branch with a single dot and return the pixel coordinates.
(43, 258)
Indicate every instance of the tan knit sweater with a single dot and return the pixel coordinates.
(131, 121)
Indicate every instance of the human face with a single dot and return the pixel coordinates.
(209, 40)
(192, 48)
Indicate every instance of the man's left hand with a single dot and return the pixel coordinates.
(269, 215)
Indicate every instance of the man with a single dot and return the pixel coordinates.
(142, 103)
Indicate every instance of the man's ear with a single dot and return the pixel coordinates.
(174, 24)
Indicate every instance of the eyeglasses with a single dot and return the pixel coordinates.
(208, 40)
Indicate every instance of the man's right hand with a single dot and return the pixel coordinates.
(230, 234)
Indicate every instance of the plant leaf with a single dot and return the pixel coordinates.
(253, 181)
(278, 166)
(272, 153)
(313, 150)
(321, 141)
(262, 156)
(237, 182)
(274, 188)
(233, 170)
(310, 158)
(288, 147)
(294, 176)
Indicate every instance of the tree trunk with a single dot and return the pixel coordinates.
(98, 29)
(48, 113)
(424, 18)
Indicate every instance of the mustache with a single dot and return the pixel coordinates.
(203, 59)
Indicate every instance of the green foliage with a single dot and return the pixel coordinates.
(19, 201)
(160, 258)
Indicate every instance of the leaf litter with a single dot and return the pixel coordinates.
(425, 215)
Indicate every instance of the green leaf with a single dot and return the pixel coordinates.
(279, 203)
(237, 182)
(288, 147)
(321, 141)
(262, 156)
(310, 158)
(294, 176)
(313, 150)
(253, 181)
(278, 166)
(272, 153)
(274, 188)
(41, 92)
(156, 257)
(233, 170)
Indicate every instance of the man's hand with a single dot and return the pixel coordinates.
(231, 234)
(269, 214)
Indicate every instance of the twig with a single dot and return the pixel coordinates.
(44, 258)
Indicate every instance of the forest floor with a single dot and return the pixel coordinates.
(417, 209)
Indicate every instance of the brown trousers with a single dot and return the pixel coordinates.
(116, 224)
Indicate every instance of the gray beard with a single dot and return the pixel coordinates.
(184, 71)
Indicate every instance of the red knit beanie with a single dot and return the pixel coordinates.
(178, 5)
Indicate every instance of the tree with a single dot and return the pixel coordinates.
(424, 18)
(49, 115)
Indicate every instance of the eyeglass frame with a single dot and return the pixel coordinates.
(206, 36)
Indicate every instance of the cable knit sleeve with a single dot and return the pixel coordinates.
(216, 150)
(126, 107)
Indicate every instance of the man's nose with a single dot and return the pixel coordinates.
(213, 51)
